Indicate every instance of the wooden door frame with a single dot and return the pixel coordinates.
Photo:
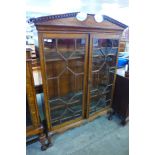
(41, 36)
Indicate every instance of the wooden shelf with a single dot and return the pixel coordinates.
(94, 96)
(63, 50)
(110, 54)
(58, 119)
(68, 59)
(99, 48)
(64, 105)
(56, 77)
(94, 108)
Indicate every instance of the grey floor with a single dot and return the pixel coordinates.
(99, 137)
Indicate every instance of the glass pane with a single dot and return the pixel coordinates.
(66, 47)
(65, 75)
(37, 77)
(80, 43)
(115, 43)
(103, 69)
(50, 49)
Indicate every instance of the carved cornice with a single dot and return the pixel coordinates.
(46, 18)
(67, 15)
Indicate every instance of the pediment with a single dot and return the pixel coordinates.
(70, 20)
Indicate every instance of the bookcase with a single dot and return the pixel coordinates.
(78, 66)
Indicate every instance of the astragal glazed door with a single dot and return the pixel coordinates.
(64, 70)
(102, 66)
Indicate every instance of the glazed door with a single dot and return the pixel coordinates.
(64, 69)
(102, 65)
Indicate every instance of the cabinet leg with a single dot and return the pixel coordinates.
(110, 114)
(124, 121)
(49, 138)
(42, 140)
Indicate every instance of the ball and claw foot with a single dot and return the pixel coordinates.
(50, 144)
(123, 122)
(42, 140)
(44, 147)
(49, 139)
(110, 117)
